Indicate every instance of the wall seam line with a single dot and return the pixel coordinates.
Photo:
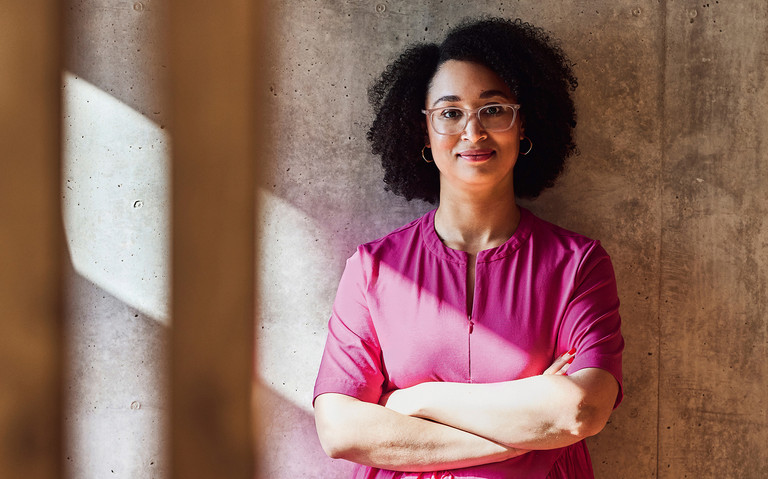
(663, 153)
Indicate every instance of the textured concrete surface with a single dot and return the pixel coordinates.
(115, 412)
(115, 192)
(713, 419)
(115, 200)
(120, 47)
(672, 111)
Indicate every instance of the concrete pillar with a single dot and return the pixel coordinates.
(218, 141)
(116, 199)
(30, 240)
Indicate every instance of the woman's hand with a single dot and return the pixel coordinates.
(547, 411)
(560, 366)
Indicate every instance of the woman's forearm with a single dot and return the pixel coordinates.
(376, 436)
(540, 412)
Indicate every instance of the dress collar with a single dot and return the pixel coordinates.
(436, 246)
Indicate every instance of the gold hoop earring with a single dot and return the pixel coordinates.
(530, 147)
(425, 158)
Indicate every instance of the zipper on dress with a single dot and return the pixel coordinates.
(469, 346)
(470, 323)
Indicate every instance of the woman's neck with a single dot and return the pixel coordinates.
(474, 223)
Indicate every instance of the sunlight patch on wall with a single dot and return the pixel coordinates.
(297, 282)
(116, 197)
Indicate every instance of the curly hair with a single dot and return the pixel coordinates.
(525, 57)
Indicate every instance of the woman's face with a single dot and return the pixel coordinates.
(473, 159)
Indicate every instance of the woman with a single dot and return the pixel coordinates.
(451, 337)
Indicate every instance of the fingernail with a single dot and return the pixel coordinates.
(572, 351)
(570, 360)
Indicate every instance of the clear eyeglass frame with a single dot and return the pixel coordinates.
(468, 112)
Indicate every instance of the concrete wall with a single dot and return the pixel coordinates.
(115, 199)
(117, 205)
(672, 111)
(671, 178)
(124, 63)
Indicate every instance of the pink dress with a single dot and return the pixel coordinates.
(400, 319)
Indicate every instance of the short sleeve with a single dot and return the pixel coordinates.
(351, 362)
(591, 322)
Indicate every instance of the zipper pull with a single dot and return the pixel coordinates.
(471, 324)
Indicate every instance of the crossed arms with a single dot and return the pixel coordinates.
(442, 425)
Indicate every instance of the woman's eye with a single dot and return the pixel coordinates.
(494, 110)
(450, 114)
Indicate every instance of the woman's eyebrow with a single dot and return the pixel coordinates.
(446, 98)
(485, 94)
(492, 93)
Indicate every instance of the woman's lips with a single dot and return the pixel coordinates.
(475, 156)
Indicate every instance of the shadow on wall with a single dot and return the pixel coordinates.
(115, 381)
(119, 48)
(297, 451)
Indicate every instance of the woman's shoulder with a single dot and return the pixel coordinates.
(404, 236)
(547, 233)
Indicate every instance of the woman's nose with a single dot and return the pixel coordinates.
(474, 131)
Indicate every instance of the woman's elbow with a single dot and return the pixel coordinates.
(335, 451)
(590, 419)
(593, 402)
(577, 419)
(330, 440)
(330, 428)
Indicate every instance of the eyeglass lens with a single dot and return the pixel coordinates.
(449, 121)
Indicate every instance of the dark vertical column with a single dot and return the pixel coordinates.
(214, 80)
(30, 239)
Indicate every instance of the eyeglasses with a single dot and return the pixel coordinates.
(453, 120)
